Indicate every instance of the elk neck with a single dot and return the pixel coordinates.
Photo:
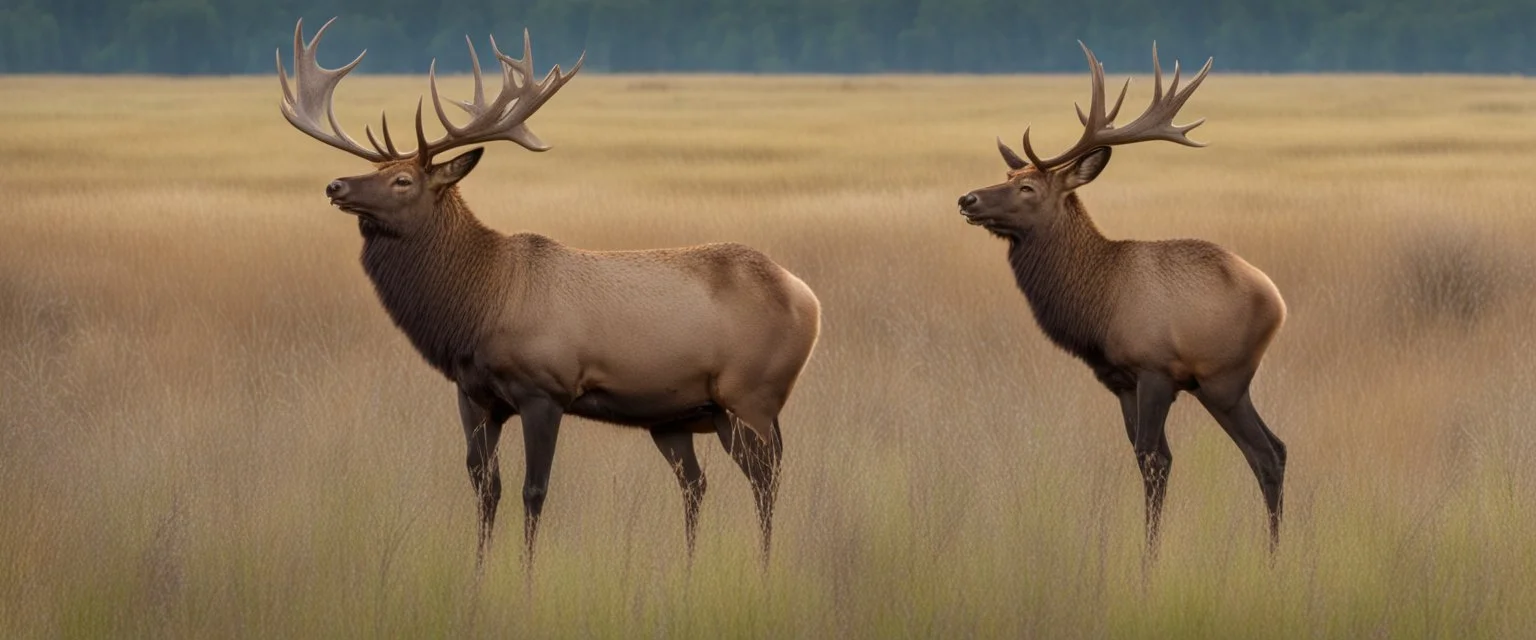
(1066, 270)
(442, 284)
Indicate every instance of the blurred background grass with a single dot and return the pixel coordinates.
(208, 427)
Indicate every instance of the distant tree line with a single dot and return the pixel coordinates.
(840, 36)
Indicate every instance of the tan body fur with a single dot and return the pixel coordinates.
(1196, 311)
(642, 337)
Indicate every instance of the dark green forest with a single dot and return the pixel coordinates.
(836, 36)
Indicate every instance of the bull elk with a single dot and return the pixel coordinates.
(1150, 318)
(702, 339)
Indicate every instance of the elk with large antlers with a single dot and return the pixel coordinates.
(703, 339)
(1150, 318)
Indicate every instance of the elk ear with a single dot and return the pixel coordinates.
(1084, 169)
(1014, 161)
(452, 171)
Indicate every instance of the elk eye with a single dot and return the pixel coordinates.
(1026, 188)
(402, 181)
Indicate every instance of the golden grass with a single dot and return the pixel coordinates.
(209, 428)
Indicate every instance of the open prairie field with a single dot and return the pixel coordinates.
(209, 427)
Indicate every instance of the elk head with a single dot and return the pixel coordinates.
(406, 188)
(1036, 190)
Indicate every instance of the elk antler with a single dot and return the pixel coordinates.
(503, 119)
(315, 86)
(1156, 123)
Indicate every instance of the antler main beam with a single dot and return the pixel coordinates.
(504, 118)
(1155, 123)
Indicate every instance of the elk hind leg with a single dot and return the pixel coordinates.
(759, 458)
(1233, 409)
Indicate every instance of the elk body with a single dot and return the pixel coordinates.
(1150, 318)
(703, 339)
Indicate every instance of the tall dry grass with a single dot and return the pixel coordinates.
(209, 428)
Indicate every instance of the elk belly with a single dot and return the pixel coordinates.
(646, 408)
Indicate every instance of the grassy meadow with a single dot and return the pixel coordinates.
(209, 427)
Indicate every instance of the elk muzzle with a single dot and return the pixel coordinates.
(345, 195)
(968, 207)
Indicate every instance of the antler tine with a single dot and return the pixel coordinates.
(437, 104)
(298, 56)
(1115, 112)
(474, 63)
(311, 95)
(514, 68)
(368, 133)
(389, 145)
(1029, 151)
(282, 75)
(423, 150)
(1193, 84)
(526, 62)
(1013, 160)
(504, 62)
(1096, 99)
(478, 104)
(1173, 86)
(384, 127)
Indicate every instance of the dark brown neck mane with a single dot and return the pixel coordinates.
(443, 283)
(1065, 269)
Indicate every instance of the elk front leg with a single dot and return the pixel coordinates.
(1154, 396)
(541, 426)
(482, 431)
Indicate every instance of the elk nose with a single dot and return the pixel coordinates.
(967, 200)
(336, 189)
